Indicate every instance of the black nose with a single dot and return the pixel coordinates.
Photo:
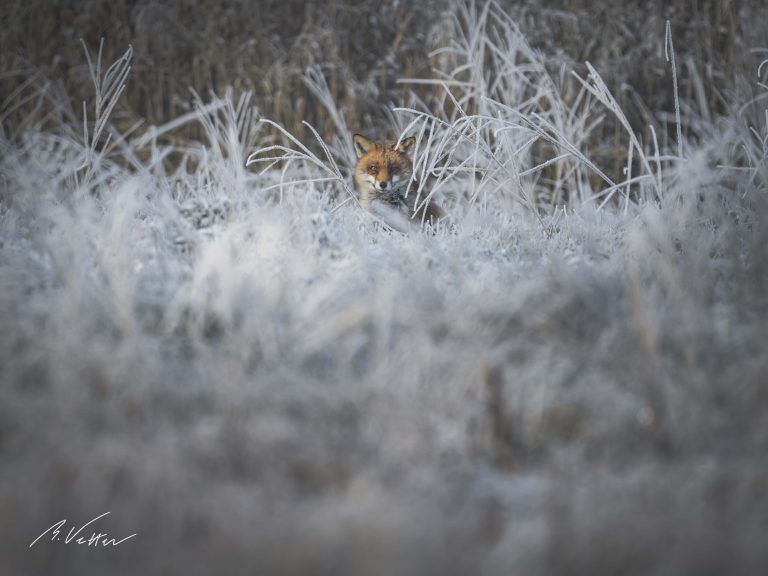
(383, 184)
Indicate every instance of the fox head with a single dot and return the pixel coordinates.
(384, 169)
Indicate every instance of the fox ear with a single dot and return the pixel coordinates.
(407, 145)
(362, 145)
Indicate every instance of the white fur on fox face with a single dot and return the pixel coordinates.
(371, 180)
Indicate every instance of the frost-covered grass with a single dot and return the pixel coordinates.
(250, 373)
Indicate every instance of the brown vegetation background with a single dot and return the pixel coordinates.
(363, 47)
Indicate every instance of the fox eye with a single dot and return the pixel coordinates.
(394, 170)
(372, 169)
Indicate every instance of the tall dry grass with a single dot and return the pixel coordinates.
(362, 47)
(569, 380)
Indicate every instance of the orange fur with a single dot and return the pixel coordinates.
(384, 175)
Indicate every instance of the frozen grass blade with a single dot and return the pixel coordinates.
(669, 54)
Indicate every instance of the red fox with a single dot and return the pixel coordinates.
(384, 180)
